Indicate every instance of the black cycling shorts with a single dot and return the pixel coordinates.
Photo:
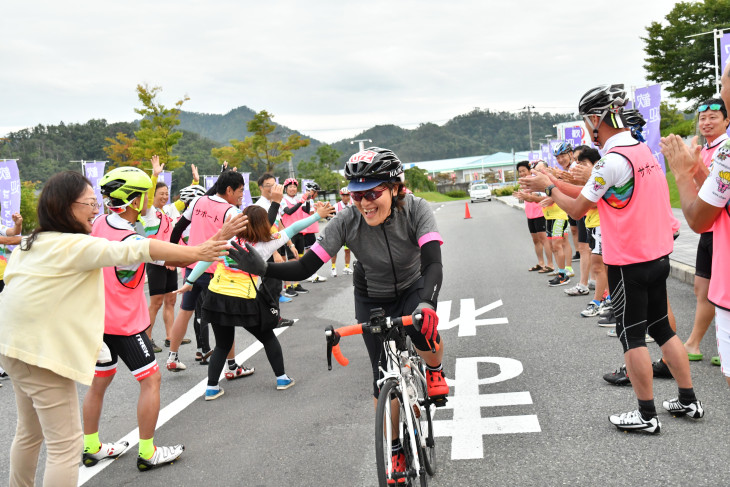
(536, 225)
(200, 286)
(703, 263)
(160, 279)
(582, 232)
(402, 305)
(572, 222)
(639, 298)
(136, 353)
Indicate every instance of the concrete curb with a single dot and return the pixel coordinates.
(678, 270)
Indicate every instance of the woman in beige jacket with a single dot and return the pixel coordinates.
(53, 321)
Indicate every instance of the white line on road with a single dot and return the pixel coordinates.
(171, 410)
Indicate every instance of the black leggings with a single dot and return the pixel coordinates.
(639, 298)
(224, 336)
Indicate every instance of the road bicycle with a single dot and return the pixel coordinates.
(404, 409)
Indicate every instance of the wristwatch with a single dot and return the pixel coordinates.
(549, 189)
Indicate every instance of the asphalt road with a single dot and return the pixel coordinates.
(529, 406)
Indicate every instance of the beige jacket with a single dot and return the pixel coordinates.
(53, 302)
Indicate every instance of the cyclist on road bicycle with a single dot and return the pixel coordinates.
(397, 244)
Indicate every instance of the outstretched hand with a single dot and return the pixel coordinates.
(156, 166)
(324, 209)
(248, 259)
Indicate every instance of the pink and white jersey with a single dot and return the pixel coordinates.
(290, 202)
(716, 192)
(533, 210)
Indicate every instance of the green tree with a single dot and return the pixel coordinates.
(261, 151)
(417, 180)
(686, 65)
(29, 205)
(319, 167)
(157, 134)
(119, 149)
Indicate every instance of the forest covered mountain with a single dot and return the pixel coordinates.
(45, 150)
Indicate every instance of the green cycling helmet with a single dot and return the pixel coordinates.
(122, 185)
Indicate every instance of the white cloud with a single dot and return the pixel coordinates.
(328, 64)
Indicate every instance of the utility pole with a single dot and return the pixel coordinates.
(361, 143)
(529, 121)
(291, 168)
(716, 36)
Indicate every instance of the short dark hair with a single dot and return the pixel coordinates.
(264, 177)
(524, 164)
(228, 179)
(589, 154)
(160, 184)
(714, 101)
(54, 206)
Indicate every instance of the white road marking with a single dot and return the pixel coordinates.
(467, 321)
(468, 427)
(171, 410)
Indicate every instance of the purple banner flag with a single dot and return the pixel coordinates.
(210, 181)
(724, 51)
(277, 180)
(647, 101)
(247, 200)
(166, 177)
(9, 191)
(94, 170)
(554, 143)
(574, 135)
(544, 151)
(533, 156)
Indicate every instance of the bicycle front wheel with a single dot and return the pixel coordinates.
(425, 418)
(388, 414)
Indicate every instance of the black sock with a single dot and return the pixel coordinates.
(232, 364)
(647, 409)
(687, 396)
(395, 446)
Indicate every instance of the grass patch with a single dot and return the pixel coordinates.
(673, 191)
(436, 197)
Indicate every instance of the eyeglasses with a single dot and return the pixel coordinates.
(713, 106)
(92, 205)
(371, 195)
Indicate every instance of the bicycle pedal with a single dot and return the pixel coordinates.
(438, 401)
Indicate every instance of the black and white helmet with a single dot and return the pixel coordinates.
(189, 193)
(603, 98)
(312, 186)
(373, 165)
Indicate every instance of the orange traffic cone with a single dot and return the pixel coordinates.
(467, 214)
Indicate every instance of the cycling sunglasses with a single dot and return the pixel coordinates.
(714, 106)
(371, 195)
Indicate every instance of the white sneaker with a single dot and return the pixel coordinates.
(334, 272)
(108, 450)
(316, 278)
(577, 290)
(693, 409)
(175, 365)
(347, 270)
(633, 421)
(591, 284)
(162, 456)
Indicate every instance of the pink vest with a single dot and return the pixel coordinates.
(164, 231)
(719, 293)
(208, 217)
(287, 220)
(533, 210)
(314, 227)
(125, 306)
(641, 229)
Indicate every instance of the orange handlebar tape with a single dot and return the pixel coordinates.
(341, 359)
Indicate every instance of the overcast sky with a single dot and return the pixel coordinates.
(328, 68)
